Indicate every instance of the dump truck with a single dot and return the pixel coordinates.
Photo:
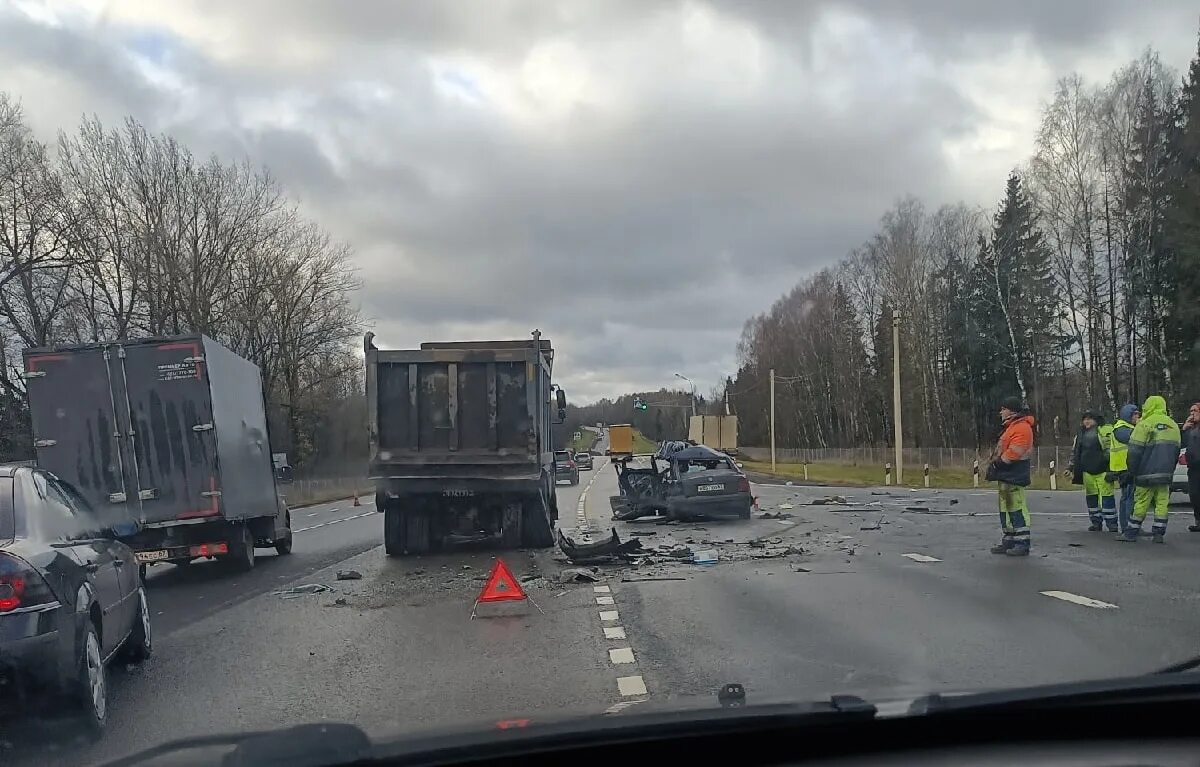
(461, 443)
(167, 440)
(620, 439)
(716, 431)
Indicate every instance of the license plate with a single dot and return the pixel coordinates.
(709, 488)
(151, 556)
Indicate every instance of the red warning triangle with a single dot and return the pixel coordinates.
(501, 586)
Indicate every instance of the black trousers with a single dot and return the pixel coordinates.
(1194, 491)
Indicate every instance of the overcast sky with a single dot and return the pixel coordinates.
(634, 178)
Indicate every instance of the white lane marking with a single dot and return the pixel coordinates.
(602, 589)
(585, 527)
(312, 514)
(782, 522)
(614, 632)
(1067, 596)
(334, 522)
(604, 600)
(335, 508)
(620, 655)
(631, 685)
(922, 558)
(608, 615)
(621, 705)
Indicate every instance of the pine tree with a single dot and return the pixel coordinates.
(1181, 232)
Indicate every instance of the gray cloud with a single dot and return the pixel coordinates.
(633, 179)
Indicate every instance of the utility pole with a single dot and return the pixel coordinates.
(772, 420)
(685, 378)
(899, 430)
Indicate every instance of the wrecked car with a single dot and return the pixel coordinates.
(681, 481)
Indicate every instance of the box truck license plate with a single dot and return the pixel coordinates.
(151, 556)
(709, 488)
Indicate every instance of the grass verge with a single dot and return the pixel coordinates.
(857, 475)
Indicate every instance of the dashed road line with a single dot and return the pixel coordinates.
(614, 632)
(602, 589)
(1067, 596)
(609, 615)
(333, 522)
(631, 685)
(604, 600)
(621, 655)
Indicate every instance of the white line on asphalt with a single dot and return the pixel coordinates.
(922, 558)
(334, 509)
(631, 685)
(604, 600)
(333, 522)
(621, 705)
(608, 615)
(621, 655)
(1067, 596)
(602, 589)
(614, 632)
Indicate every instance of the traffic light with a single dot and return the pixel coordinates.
(640, 404)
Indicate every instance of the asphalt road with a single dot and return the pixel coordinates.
(798, 607)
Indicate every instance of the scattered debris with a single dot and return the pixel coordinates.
(786, 506)
(916, 508)
(600, 551)
(341, 601)
(775, 515)
(349, 575)
(829, 500)
(799, 569)
(1075, 545)
(875, 526)
(789, 483)
(953, 501)
(643, 533)
(677, 552)
(578, 575)
(651, 580)
(705, 557)
(299, 591)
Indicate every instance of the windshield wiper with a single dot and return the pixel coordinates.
(1191, 664)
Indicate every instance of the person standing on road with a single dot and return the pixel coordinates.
(1090, 465)
(1118, 462)
(1009, 468)
(1191, 447)
(1153, 452)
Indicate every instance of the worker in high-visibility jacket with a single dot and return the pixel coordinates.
(1153, 452)
(1089, 463)
(1009, 469)
(1118, 462)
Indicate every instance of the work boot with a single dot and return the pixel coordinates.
(1129, 536)
(1158, 538)
(1194, 528)
(1002, 547)
(1018, 550)
(1095, 527)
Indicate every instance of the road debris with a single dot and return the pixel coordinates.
(829, 500)
(652, 580)
(302, 590)
(349, 575)
(705, 557)
(643, 533)
(579, 575)
(341, 601)
(776, 514)
(612, 548)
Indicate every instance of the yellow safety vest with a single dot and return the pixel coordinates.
(1118, 451)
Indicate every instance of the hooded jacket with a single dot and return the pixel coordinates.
(1010, 461)
(1118, 449)
(1154, 444)
(1191, 444)
(1091, 450)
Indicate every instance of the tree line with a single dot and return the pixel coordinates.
(1080, 289)
(119, 233)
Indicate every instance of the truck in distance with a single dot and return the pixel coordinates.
(461, 444)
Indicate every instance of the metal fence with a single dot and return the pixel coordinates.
(305, 491)
(936, 457)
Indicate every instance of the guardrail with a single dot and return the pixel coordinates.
(301, 492)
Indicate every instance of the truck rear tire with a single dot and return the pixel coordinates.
(510, 525)
(284, 545)
(241, 552)
(393, 531)
(537, 529)
(417, 531)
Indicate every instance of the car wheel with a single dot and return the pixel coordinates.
(91, 683)
(139, 644)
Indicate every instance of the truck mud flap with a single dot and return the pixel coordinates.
(612, 548)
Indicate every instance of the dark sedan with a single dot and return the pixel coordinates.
(71, 600)
(565, 467)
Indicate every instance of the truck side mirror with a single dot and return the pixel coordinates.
(561, 400)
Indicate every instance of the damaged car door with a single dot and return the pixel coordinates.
(641, 490)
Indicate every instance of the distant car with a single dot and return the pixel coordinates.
(583, 459)
(565, 467)
(71, 600)
(1179, 480)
